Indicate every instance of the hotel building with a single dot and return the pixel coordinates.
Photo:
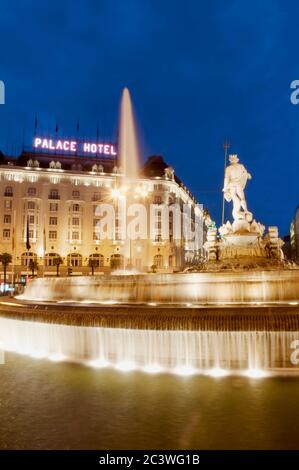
(50, 201)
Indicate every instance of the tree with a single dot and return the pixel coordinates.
(57, 262)
(5, 259)
(154, 268)
(33, 265)
(92, 263)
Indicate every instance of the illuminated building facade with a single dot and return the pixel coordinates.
(294, 236)
(50, 201)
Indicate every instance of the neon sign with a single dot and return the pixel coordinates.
(73, 146)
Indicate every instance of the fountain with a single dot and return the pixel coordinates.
(128, 146)
(237, 311)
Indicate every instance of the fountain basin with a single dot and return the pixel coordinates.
(276, 286)
(183, 352)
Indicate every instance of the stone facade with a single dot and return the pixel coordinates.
(55, 199)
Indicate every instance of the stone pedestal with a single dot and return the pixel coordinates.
(243, 243)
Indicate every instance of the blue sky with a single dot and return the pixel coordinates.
(198, 72)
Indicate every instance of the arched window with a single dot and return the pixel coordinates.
(31, 205)
(116, 261)
(52, 164)
(27, 257)
(8, 192)
(36, 163)
(30, 163)
(98, 259)
(58, 165)
(74, 259)
(94, 168)
(50, 259)
(158, 261)
(100, 169)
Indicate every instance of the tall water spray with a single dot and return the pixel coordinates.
(128, 145)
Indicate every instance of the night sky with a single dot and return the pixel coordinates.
(198, 72)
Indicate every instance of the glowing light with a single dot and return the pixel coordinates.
(57, 357)
(152, 304)
(38, 354)
(66, 145)
(11, 303)
(98, 363)
(153, 369)
(184, 370)
(255, 373)
(293, 303)
(125, 366)
(108, 302)
(115, 193)
(217, 372)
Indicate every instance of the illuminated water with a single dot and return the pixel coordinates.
(69, 406)
(216, 353)
(244, 287)
(128, 145)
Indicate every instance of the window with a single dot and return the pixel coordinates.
(54, 165)
(75, 235)
(116, 261)
(53, 207)
(27, 257)
(97, 259)
(52, 235)
(31, 205)
(75, 221)
(31, 192)
(76, 207)
(50, 258)
(8, 192)
(171, 261)
(76, 194)
(96, 236)
(54, 194)
(158, 261)
(157, 200)
(7, 218)
(53, 221)
(158, 238)
(7, 204)
(31, 219)
(158, 187)
(74, 259)
(6, 233)
(96, 196)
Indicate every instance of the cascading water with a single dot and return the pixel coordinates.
(247, 287)
(182, 352)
